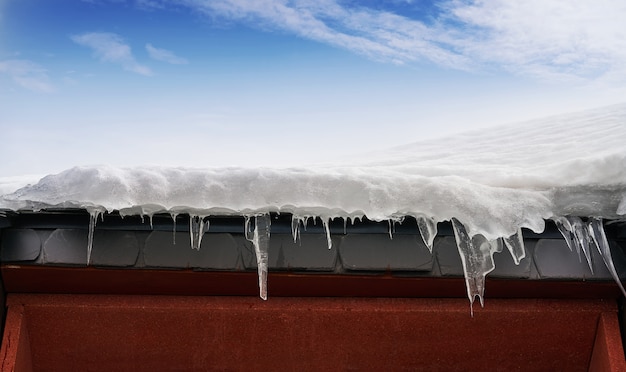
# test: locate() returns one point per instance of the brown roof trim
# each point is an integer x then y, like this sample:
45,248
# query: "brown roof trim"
90,280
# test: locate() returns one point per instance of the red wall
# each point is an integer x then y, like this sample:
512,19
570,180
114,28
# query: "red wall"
149,333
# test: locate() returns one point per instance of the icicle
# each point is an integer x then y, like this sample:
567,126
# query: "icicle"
345,225
515,244
174,215
391,225
295,228
247,229
260,238
477,259
305,221
150,220
581,233
94,213
599,238
197,227
428,230
565,227
326,224
576,236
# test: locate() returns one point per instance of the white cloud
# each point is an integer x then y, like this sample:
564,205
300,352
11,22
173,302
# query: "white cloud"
569,38
164,55
27,74
559,39
109,47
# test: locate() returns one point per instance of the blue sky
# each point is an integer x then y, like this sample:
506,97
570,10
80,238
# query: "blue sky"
247,83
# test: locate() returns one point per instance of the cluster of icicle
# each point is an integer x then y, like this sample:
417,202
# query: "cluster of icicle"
476,251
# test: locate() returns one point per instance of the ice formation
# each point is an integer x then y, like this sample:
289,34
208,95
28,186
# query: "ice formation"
515,245
428,230
198,225
260,238
599,238
174,216
477,259
489,183
583,237
94,214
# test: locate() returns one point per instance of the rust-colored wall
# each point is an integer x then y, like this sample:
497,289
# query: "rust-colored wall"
148,333
16,354
608,354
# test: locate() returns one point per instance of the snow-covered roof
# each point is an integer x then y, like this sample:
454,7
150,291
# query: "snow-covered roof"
489,183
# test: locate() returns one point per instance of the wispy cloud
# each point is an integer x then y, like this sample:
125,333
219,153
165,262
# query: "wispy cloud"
377,34
109,47
27,74
164,55
150,4
562,39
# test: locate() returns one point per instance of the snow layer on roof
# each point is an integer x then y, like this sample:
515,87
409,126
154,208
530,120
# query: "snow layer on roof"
578,149
493,181
12,183
489,183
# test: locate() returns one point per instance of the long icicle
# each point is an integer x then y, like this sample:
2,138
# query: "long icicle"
260,238
477,259
576,235
565,228
596,230
295,228
428,229
94,213
581,234
174,215
197,227
326,225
